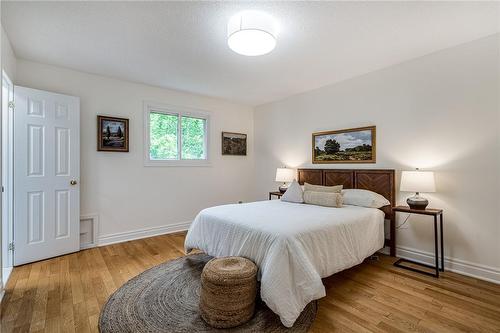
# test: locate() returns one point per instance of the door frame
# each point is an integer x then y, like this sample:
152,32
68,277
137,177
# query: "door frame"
7,181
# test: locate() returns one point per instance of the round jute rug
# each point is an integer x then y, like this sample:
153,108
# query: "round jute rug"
165,299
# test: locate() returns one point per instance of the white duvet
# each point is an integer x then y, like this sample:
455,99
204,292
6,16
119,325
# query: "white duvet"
294,245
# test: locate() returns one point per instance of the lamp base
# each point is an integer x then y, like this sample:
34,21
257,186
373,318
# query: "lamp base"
417,202
283,188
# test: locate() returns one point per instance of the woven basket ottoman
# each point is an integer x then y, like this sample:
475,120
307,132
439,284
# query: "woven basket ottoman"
228,291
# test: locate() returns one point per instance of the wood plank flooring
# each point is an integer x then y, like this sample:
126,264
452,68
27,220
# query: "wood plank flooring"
65,294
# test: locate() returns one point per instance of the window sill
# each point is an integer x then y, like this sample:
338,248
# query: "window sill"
177,163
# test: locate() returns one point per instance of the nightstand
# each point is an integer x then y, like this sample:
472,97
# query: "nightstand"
435,213
275,193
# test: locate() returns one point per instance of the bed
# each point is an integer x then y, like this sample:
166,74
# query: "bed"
296,245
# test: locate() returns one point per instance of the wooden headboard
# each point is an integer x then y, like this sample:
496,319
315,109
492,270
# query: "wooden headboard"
381,181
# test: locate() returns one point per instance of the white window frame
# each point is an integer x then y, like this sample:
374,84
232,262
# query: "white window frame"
180,111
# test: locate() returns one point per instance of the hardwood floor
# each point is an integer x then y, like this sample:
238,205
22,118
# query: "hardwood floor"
65,294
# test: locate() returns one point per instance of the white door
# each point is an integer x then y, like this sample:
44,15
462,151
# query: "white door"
46,174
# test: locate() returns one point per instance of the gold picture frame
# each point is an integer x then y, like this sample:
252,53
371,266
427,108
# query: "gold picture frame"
352,145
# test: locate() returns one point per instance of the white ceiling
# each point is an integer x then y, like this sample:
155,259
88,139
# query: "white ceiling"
182,45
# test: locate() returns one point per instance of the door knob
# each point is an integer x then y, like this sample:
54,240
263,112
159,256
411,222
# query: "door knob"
73,182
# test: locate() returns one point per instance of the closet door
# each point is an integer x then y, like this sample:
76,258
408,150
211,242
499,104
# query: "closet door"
46,174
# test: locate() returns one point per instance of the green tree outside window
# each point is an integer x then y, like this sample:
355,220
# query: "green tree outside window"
163,136
193,138
163,143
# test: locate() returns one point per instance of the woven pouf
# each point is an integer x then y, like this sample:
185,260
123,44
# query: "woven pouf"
228,291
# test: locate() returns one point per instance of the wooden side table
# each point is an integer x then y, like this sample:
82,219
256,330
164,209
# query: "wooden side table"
275,193
434,213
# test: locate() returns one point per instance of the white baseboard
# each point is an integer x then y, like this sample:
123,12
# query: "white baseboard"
5,278
143,233
6,274
463,267
467,268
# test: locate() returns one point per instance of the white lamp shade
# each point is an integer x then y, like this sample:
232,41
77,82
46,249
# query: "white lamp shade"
417,181
285,175
252,33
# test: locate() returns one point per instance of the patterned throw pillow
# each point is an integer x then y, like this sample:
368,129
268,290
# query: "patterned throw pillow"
319,188
328,199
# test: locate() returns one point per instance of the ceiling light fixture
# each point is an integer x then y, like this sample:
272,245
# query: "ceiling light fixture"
252,33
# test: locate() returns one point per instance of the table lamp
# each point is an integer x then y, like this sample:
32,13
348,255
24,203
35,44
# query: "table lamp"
285,176
417,181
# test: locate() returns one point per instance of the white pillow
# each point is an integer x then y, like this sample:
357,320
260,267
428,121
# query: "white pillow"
364,198
293,193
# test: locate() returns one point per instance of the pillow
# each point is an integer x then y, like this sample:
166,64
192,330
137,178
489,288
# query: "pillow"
293,193
319,188
328,199
364,198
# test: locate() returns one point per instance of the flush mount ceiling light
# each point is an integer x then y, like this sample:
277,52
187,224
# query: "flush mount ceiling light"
252,33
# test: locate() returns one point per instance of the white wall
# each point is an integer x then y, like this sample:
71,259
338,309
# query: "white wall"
439,112
126,195
8,57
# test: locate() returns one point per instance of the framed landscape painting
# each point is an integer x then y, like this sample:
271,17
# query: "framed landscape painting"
354,145
234,144
112,134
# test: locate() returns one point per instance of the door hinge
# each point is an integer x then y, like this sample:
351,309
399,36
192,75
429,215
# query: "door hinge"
12,105
11,246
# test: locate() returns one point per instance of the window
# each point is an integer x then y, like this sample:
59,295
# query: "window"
175,136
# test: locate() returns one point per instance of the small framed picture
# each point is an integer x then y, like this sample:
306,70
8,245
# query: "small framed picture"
353,145
112,134
234,144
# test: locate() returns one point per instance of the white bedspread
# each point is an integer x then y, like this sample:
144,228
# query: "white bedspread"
294,245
